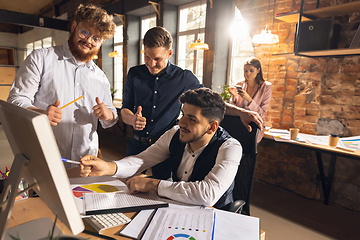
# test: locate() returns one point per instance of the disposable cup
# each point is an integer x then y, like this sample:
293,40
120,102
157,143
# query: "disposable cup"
333,140
293,133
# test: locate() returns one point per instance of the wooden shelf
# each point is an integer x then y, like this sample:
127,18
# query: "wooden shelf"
331,52
324,12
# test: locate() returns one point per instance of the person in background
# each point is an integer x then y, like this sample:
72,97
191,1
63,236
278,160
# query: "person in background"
150,104
51,77
203,157
254,93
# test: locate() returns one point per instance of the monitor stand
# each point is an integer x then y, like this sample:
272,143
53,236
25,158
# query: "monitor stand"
32,230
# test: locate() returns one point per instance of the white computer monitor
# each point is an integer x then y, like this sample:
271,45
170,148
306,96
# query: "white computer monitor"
37,160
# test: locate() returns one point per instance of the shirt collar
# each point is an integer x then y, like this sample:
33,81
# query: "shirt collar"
197,152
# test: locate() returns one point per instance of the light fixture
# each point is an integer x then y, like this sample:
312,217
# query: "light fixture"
266,37
114,54
198,45
95,57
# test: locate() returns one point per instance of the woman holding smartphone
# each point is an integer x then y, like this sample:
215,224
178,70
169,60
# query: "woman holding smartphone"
254,93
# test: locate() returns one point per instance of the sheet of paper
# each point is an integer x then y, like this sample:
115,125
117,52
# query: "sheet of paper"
120,200
93,184
352,143
138,225
172,223
230,225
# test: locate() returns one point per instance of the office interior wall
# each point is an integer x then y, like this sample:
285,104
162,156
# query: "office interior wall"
306,90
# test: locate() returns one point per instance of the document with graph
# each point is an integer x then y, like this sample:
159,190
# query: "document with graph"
123,201
173,223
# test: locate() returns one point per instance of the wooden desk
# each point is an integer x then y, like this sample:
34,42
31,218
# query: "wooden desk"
333,151
34,208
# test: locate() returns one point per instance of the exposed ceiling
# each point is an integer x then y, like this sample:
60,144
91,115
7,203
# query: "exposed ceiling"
27,6
49,8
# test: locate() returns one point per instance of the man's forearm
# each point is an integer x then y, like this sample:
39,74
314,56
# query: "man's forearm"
127,116
233,110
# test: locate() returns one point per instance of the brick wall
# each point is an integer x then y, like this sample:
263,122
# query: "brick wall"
304,91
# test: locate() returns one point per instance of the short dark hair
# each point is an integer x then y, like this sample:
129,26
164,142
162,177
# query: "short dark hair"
158,37
98,18
256,64
212,104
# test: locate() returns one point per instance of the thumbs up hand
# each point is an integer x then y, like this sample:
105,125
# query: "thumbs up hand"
102,112
54,113
139,121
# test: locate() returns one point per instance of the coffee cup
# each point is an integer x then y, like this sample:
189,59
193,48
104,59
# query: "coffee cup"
293,133
333,140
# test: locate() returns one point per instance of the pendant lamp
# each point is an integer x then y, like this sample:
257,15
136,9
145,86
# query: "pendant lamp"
198,45
266,37
114,54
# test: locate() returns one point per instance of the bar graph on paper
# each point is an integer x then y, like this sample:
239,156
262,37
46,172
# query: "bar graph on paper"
352,143
181,224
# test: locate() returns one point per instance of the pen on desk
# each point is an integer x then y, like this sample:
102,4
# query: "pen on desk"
72,101
70,161
213,230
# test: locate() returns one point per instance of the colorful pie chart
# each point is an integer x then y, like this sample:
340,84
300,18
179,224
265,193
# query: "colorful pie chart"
180,236
99,188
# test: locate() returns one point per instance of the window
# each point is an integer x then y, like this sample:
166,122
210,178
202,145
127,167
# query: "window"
118,62
191,28
44,43
242,48
146,23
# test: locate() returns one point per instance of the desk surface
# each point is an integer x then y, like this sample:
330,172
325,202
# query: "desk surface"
324,148
34,208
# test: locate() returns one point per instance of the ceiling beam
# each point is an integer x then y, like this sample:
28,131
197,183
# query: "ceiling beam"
32,20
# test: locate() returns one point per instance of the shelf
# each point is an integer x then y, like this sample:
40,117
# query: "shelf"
324,12
331,52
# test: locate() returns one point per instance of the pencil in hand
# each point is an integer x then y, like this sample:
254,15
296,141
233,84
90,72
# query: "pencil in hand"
72,101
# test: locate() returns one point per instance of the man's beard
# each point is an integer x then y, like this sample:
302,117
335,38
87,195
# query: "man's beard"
77,52
194,138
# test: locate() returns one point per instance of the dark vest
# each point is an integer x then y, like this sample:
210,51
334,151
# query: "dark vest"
204,163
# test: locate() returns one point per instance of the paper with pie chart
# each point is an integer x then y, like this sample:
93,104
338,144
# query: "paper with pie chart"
181,224
104,184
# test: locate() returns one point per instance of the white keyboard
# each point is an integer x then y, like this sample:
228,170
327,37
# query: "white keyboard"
101,222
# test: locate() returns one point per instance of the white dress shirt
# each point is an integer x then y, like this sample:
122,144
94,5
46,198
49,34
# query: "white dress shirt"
51,74
206,192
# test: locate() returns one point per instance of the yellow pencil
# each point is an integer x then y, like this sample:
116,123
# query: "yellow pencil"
72,101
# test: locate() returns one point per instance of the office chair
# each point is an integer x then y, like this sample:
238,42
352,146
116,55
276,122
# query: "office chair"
245,175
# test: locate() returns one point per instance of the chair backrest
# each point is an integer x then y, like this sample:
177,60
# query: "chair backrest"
246,170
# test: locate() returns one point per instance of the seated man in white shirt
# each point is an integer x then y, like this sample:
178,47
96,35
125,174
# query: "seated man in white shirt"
204,157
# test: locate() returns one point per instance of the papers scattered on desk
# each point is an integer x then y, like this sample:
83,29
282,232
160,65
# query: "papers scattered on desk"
352,143
227,225
98,203
171,223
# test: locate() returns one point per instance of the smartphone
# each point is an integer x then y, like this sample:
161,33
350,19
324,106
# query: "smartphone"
238,87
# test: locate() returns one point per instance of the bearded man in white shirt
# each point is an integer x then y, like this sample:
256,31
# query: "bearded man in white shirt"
204,157
50,78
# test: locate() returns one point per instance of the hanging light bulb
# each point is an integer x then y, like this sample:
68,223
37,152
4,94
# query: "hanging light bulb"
95,57
266,37
114,54
198,45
